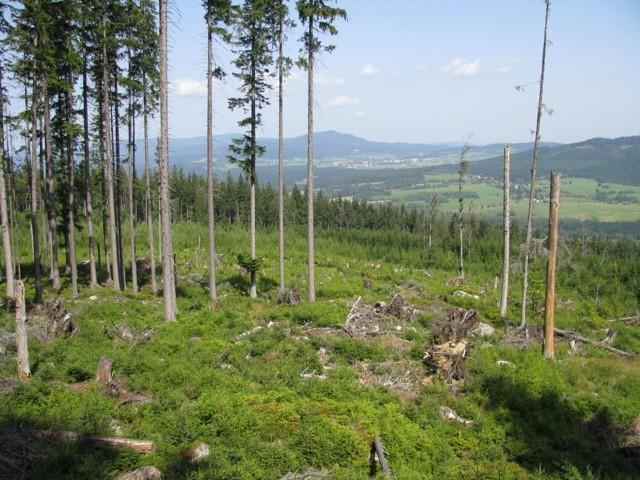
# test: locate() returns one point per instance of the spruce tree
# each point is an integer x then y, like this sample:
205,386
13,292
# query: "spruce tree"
318,16
253,41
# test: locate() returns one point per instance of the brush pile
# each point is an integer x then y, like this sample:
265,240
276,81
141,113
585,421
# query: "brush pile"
379,318
449,348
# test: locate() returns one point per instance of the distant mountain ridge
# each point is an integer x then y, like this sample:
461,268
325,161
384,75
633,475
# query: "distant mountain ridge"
615,160
190,153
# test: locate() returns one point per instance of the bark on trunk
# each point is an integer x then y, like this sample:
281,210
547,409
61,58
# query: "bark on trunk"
71,229
550,296
506,226
4,212
33,194
525,275
93,276
51,188
132,219
280,159
118,181
213,297
23,369
310,234
169,291
147,194
111,208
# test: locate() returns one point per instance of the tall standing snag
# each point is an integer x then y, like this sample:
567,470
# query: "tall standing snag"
21,333
169,285
532,188
550,296
506,227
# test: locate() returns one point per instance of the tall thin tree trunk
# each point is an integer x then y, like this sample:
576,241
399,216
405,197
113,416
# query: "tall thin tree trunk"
111,207
71,232
506,227
532,190
280,158
213,297
118,181
132,219
23,369
550,296
147,193
310,235
51,187
33,193
4,212
93,277
169,292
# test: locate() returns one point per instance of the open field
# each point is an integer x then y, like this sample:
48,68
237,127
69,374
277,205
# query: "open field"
581,198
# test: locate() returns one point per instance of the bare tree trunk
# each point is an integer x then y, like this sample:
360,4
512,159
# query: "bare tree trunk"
280,159
169,292
93,277
71,232
23,369
51,188
4,212
111,207
118,181
506,227
550,296
132,219
213,297
147,193
532,190
33,193
310,234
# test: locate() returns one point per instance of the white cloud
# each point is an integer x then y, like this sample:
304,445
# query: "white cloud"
187,87
462,67
503,64
344,101
370,70
331,81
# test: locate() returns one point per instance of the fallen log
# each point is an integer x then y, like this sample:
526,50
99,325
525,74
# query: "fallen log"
120,443
575,336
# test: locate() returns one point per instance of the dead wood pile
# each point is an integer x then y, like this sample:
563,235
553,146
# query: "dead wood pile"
448,350
379,318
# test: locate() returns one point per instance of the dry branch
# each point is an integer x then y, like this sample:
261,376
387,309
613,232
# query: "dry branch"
377,453
575,336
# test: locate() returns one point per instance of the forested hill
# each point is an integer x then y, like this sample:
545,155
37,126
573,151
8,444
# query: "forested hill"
608,160
190,153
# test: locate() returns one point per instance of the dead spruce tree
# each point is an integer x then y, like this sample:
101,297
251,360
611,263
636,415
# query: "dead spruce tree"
217,17
168,272
463,165
506,227
532,187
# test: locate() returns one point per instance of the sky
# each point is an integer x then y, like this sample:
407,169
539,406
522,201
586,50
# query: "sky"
432,71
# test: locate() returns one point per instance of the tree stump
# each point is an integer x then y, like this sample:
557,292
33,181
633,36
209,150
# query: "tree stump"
104,370
23,369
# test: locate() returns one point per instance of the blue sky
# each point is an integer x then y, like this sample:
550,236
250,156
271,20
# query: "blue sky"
427,71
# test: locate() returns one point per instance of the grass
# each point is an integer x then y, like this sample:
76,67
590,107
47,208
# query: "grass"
581,198
246,400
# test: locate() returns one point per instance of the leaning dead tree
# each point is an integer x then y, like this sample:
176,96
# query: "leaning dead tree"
23,369
506,226
532,188
550,297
